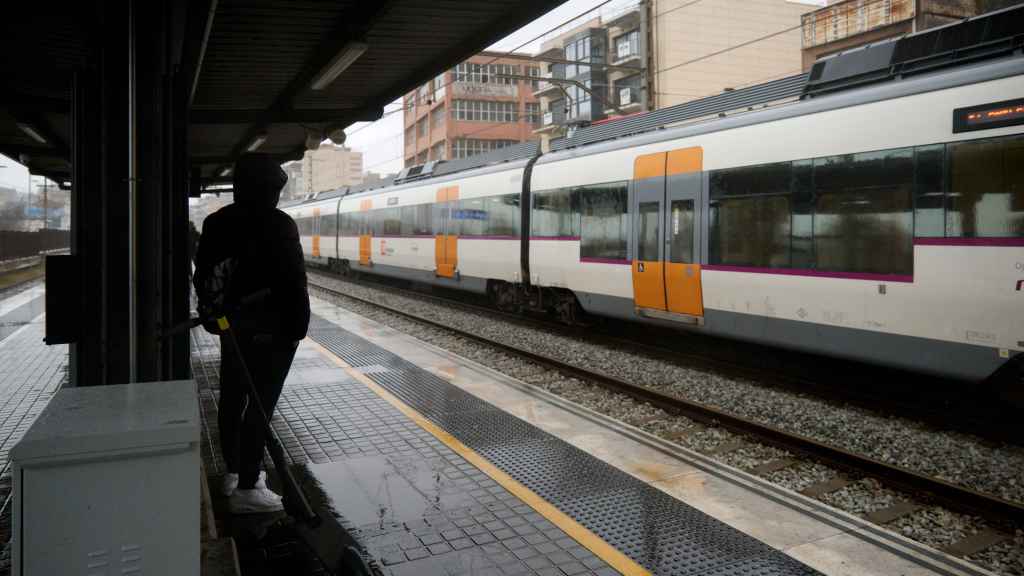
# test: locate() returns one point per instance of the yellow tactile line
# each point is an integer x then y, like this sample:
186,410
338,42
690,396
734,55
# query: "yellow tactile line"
574,529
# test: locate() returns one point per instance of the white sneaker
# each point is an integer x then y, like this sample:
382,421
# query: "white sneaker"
229,482
254,501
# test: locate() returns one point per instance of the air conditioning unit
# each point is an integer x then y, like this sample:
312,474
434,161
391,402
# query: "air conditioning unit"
106,481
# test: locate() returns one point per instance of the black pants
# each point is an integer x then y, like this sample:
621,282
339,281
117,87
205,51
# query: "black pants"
242,435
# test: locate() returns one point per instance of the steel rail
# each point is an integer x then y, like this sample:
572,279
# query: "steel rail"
950,495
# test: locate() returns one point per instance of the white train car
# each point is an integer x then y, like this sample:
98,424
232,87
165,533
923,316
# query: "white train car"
859,225
883,223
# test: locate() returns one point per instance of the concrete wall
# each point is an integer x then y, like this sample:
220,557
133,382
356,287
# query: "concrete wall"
682,34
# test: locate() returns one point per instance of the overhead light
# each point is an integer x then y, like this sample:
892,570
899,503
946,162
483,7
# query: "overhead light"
31,131
348,54
225,172
256,142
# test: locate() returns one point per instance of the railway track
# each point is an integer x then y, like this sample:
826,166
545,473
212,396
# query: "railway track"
733,359
1003,513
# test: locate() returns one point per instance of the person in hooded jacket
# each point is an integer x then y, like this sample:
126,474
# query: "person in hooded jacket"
246,248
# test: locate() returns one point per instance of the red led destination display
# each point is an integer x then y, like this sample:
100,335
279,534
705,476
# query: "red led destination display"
987,116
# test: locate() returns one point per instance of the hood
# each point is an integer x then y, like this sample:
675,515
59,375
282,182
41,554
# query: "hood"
258,180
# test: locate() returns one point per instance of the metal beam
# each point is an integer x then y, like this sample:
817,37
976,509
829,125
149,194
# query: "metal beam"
284,116
351,25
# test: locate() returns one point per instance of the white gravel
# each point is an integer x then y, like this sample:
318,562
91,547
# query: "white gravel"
955,457
937,527
1004,558
863,496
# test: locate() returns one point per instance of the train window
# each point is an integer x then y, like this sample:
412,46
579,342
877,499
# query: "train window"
504,215
555,214
929,191
305,226
680,230
390,221
408,215
801,246
986,188
328,223
469,216
604,226
649,214
750,216
750,231
424,221
863,220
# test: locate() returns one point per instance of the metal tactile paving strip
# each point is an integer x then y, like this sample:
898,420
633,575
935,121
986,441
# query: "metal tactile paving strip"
661,533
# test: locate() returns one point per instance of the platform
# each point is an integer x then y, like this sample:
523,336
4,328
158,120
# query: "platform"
447,467
30,373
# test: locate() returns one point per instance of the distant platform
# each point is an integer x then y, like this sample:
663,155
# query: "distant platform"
444,466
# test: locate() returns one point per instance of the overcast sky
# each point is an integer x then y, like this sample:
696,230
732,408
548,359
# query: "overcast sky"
381,141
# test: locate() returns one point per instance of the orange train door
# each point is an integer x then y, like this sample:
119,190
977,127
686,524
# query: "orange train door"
446,239
666,269
316,232
365,231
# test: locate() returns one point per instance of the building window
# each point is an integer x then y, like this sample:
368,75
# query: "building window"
627,45
534,72
466,147
437,151
531,113
422,157
410,137
437,117
486,73
423,94
440,85
421,127
579,105
483,111
576,52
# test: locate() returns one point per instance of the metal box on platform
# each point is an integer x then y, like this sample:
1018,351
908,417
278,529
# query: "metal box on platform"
106,481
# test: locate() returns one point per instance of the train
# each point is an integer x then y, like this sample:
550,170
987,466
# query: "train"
883,222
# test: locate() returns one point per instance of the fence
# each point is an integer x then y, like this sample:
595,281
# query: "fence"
17,244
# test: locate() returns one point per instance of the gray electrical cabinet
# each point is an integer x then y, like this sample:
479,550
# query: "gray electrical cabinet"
106,481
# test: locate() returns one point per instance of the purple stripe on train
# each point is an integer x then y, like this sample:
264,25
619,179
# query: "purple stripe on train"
597,260
815,273
969,241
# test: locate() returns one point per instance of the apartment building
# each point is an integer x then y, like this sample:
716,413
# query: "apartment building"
483,104
664,52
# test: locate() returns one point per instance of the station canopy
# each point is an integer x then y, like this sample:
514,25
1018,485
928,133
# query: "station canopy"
266,75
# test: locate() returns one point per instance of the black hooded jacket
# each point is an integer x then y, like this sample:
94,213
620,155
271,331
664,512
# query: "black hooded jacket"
249,246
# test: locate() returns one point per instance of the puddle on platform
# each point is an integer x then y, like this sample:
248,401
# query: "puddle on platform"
383,489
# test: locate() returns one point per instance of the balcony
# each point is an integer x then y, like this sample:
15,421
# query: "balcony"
850,18
627,98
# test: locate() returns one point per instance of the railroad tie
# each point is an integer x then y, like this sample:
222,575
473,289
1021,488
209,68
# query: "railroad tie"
886,515
826,486
976,542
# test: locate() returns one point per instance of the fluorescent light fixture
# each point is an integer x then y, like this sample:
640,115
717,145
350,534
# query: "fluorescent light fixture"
225,172
256,143
28,129
348,54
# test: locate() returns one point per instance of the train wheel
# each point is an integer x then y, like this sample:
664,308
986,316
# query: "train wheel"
503,295
568,309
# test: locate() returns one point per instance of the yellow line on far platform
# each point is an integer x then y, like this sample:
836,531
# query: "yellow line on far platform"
614,558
